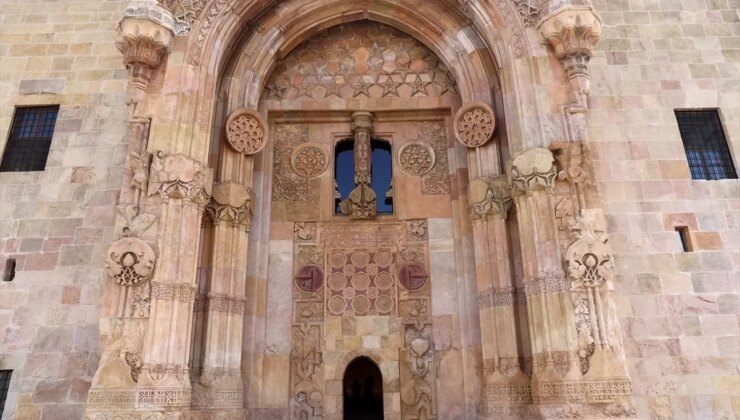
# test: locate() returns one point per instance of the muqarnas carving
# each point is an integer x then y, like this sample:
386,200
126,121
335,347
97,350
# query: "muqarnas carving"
246,131
130,261
474,124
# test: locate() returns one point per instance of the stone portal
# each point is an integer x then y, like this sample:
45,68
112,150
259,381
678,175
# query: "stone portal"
362,389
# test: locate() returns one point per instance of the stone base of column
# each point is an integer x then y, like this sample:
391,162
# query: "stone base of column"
210,398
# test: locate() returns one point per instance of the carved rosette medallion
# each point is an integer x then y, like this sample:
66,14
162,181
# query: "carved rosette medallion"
416,158
246,131
308,160
130,261
413,276
474,124
310,278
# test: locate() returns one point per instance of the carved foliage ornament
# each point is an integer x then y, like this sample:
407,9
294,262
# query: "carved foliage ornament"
246,131
178,176
309,160
588,258
231,202
416,158
130,261
533,169
489,195
474,124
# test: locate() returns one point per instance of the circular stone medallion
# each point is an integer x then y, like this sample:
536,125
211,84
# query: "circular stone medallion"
384,303
360,281
360,304
337,281
308,160
310,278
246,132
416,158
413,276
336,305
384,280
474,124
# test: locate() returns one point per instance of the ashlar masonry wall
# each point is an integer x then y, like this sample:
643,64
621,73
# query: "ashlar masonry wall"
57,223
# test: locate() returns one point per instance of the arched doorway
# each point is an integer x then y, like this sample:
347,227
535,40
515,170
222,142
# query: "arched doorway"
362,390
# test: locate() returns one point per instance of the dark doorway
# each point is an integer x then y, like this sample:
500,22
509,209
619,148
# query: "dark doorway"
363,390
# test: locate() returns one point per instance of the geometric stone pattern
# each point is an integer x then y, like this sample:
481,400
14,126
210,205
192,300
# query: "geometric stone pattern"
287,185
436,181
364,59
361,282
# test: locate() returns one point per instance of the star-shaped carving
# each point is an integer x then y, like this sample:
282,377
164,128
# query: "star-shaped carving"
361,88
443,81
276,90
304,89
390,87
332,89
404,70
418,86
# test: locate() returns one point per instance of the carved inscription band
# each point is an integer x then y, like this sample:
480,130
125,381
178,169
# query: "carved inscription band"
173,291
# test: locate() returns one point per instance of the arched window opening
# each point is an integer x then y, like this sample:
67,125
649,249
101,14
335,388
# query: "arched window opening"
381,165
362,390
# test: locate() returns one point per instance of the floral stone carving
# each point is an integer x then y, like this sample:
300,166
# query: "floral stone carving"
474,124
231,202
490,195
533,169
588,258
246,131
416,158
308,160
130,261
178,176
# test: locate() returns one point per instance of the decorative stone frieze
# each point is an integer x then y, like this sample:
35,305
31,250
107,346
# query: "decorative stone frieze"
177,176
246,131
218,302
416,159
417,230
231,203
144,35
573,31
488,196
474,124
174,291
588,258
130,261
309,160
533,169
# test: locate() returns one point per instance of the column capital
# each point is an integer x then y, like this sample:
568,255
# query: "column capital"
489,196
362,120
179,176
231,203
572,32
532,170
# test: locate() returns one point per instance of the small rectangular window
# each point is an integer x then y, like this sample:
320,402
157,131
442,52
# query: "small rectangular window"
9,274
4,385
29,139
705,144
683,237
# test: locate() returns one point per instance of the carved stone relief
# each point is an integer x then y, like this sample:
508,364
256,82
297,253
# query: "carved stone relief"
180,177
533,169
130,261
361,59
436,181
474,124
361,282
417,230
309,160
231,203
286,184
246,131
489,195
416,159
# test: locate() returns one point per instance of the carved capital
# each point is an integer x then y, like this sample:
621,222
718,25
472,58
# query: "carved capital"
231,203
573,32
144,35
362,121
532,170
130,261
180,177
489,196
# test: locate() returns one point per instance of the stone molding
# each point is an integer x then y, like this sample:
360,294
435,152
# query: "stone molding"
176,176
573,32
144,35
489,196
173,291
138,398
218,302
532,170
491,298
474,124
231,203
246,131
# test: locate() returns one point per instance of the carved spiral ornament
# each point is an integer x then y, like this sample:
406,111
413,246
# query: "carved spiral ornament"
130,261
246,132
416,159
309,160
474,124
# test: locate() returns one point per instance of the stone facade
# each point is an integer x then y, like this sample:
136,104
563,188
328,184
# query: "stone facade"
181,256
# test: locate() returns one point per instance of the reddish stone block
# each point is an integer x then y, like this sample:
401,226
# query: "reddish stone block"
706,241
55,244
673,220
51,391
71,294
45,261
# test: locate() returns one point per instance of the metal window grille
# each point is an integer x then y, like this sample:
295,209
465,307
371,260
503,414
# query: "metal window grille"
705,144
30,139
4,385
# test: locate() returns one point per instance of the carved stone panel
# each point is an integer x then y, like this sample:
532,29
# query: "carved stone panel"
436,181
130,261
309,160
361,282
416,158
286,184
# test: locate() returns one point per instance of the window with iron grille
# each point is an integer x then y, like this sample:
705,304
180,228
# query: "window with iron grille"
705,144
4,385
30,139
